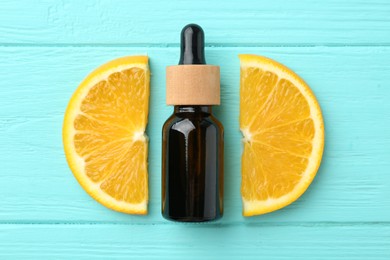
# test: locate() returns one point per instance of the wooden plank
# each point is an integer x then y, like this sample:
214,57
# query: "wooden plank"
350,83
253,22
195,241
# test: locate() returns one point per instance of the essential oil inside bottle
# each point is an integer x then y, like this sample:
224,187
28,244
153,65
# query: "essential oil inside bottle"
192,146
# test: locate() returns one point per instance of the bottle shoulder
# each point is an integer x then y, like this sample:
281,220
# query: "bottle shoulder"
187,123
170,121
216,122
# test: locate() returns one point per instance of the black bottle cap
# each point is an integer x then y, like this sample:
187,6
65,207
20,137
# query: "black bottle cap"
192,45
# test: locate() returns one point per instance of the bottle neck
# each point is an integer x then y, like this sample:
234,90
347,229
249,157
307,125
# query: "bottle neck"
192,109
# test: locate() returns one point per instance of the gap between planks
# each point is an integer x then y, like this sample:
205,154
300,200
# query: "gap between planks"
176,45
212,224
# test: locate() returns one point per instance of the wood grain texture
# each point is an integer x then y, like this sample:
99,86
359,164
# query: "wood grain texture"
253,22
342,50
194,241
352,184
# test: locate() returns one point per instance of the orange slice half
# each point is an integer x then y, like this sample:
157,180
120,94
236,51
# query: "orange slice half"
104,134
283,135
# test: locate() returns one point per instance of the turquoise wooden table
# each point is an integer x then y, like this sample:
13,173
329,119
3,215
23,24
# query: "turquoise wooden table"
341,48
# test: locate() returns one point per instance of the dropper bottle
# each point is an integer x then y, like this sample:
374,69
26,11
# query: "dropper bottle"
192,138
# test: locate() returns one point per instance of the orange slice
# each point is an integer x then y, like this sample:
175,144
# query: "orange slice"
104,134
283,131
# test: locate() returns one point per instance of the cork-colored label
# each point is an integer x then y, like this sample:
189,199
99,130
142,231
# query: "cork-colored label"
193,85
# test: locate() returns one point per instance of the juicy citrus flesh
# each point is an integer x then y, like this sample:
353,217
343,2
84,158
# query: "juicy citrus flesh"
283,131
104,134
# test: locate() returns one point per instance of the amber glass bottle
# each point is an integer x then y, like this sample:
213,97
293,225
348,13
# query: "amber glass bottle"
192,147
